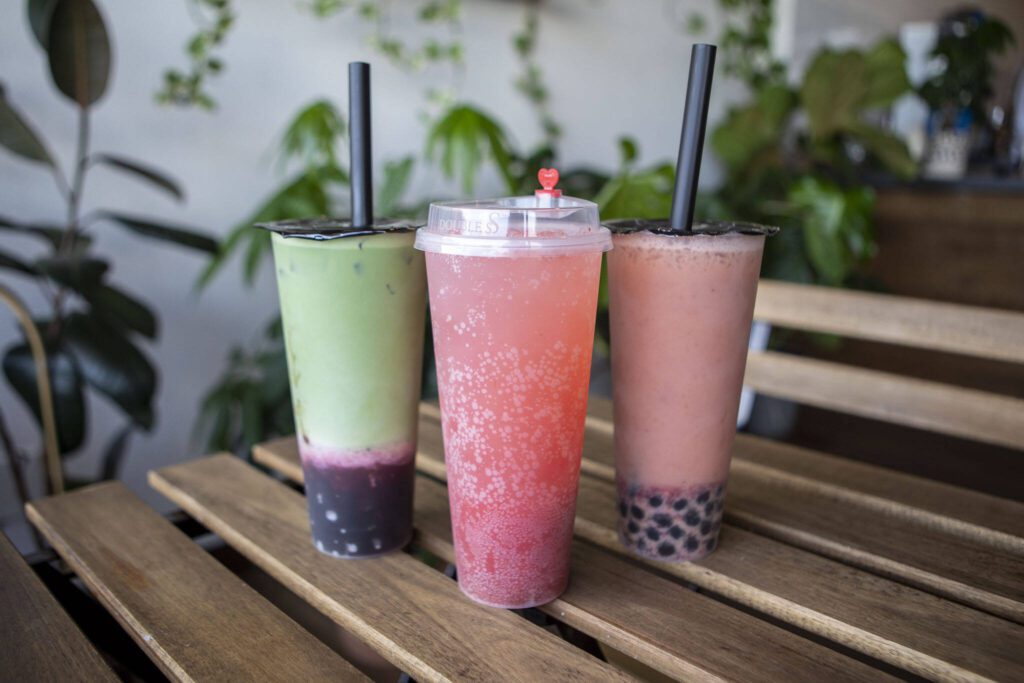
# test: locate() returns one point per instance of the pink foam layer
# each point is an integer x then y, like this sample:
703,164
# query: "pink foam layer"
319,455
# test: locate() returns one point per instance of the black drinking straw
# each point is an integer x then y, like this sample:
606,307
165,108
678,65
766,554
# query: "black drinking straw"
691,144
359,139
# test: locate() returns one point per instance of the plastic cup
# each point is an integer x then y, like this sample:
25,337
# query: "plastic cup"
681,307
352,309
513,297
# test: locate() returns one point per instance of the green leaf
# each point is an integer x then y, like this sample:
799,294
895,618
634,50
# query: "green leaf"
646,194
886,75
11,262
82,274
39,13
836,226
176,235
17,135
113,365
834,87
748,130
259,248
122,309
51,234
79,51
148,173
466,137
313,135
396,179
305,195
65,386
887,148
627,151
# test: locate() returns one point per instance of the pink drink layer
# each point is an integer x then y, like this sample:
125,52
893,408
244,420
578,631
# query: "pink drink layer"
681,310
513,338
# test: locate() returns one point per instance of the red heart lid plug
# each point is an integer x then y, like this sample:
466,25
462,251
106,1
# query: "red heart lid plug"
548,178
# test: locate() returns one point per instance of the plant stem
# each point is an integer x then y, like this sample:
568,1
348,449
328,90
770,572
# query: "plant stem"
74,199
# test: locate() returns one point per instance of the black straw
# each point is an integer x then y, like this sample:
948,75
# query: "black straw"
359,139
691,145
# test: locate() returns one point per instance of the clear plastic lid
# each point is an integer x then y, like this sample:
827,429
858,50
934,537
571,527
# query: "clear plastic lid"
543,225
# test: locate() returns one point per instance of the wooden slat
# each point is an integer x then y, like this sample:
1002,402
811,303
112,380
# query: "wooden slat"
192,616
38,640
658,622
411,614
981,518
895,623
936,407
969,330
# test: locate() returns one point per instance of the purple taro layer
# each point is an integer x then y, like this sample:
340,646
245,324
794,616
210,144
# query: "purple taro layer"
360,503
673,525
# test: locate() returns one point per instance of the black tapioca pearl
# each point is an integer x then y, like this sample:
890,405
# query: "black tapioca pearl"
666,549
675,532
632,527
636,511
703,498
692,543
692,517
711,543
655,501
705,528
680,504
719,490
662,520
641,544
652,533
709,509
623,508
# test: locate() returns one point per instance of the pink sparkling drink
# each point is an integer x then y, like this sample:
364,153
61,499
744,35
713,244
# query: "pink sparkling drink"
513,321
681,307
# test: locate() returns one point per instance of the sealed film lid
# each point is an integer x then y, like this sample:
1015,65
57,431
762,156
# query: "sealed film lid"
663,226
545,224
324,228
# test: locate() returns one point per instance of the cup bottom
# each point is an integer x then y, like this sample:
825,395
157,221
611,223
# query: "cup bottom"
319,545
508,605
670,524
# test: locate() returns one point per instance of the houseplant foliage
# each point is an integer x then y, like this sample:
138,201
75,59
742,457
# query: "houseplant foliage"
779,169
93,330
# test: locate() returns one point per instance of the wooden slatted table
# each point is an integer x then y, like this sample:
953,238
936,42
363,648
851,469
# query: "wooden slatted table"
827,570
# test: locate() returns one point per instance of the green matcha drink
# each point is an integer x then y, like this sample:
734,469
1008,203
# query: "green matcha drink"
352,308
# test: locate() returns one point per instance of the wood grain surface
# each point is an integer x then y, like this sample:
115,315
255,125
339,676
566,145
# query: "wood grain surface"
194,618
38,640
932,406
984,519
895,623
969,330
411,614
656,621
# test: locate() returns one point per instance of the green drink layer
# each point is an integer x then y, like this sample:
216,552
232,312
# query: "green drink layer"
353,313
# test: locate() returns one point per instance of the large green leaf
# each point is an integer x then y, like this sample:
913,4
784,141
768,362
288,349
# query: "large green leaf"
747,130
886,74
39,13
79,51
833,90
184,237
837,228
51,234
123,309
465,137
80,273
313,135
12,262
17,135
113,365
887,148
147,173
65,386
396,180
643,194
304,196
